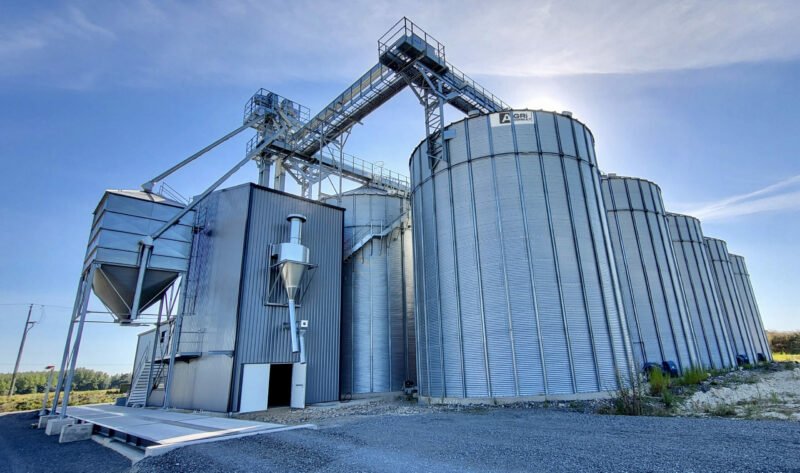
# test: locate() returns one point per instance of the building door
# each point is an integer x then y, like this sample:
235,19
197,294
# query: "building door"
299,386
255,388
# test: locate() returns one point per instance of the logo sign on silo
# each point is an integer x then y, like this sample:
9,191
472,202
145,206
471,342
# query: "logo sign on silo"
506,118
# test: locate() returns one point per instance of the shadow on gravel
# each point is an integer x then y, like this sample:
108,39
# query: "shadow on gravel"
26,449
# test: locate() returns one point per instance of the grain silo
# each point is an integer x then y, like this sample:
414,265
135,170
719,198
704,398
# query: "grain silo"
728,296
750,310
378,349
713,346
658,320
516,294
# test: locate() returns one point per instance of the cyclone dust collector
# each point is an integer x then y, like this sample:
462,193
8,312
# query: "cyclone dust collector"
293,259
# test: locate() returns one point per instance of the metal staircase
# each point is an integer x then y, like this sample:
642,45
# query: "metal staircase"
358,240
140,388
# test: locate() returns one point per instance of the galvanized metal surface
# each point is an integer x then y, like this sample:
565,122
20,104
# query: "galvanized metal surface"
694,268
747,298
121,220
728,296
226,318
377,305
658,318
262,336
516,294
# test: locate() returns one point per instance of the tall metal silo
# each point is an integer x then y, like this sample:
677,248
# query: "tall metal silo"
728,296
516,293
747,298
658,319
378,352
694,267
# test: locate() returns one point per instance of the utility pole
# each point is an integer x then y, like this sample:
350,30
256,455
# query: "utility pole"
28,326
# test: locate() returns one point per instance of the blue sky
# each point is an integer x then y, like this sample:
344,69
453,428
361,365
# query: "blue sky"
700,97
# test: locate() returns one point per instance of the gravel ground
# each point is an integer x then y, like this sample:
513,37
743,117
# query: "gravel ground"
502,439
757,395
25,449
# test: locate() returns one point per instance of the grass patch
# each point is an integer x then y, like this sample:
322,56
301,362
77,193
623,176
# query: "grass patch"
692,376
659,382
783,357
722,410
629,401
27,402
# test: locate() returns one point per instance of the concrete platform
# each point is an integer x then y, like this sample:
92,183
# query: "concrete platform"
155,429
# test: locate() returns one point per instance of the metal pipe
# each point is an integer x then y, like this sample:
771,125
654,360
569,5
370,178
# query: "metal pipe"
43,411
67,345
147,249
148,186
293,327
296,228
71,374
175,340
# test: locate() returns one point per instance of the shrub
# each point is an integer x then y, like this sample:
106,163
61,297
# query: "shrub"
659,382
695,375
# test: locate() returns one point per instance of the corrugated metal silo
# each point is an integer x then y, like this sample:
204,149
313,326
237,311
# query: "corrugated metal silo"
714,347
728,297
655,307
378,352
750,310
516,294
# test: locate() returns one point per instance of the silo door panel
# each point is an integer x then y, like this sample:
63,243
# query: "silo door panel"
255,388
299,386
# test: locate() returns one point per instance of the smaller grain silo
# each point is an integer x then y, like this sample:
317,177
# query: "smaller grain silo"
658,320
750,310
694,267
378,352
728,296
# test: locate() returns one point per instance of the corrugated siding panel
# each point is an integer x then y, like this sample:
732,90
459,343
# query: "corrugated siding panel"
745,289
729,298
262,337
448,291
527,351
658,318
511,236
694,270
470,297
375,333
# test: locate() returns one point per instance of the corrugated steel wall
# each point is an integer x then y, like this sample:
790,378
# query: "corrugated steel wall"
694,268
377,307
515,287
261,335
212,301
655,307
747,298
226,319
729,299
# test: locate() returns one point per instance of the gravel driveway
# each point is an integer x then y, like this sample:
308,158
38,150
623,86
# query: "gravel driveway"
502,440
28,450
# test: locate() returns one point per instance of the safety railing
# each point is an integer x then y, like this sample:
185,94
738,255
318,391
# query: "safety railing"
406,27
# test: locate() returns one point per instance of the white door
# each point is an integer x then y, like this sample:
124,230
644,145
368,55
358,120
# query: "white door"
298,386
255,388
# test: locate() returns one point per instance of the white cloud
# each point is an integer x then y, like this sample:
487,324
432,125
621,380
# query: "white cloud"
144,42
780,196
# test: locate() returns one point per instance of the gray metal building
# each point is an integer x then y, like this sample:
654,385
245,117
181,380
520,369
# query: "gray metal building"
234,352
516,294
658,319
730,302
714,347
378,351
750,310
